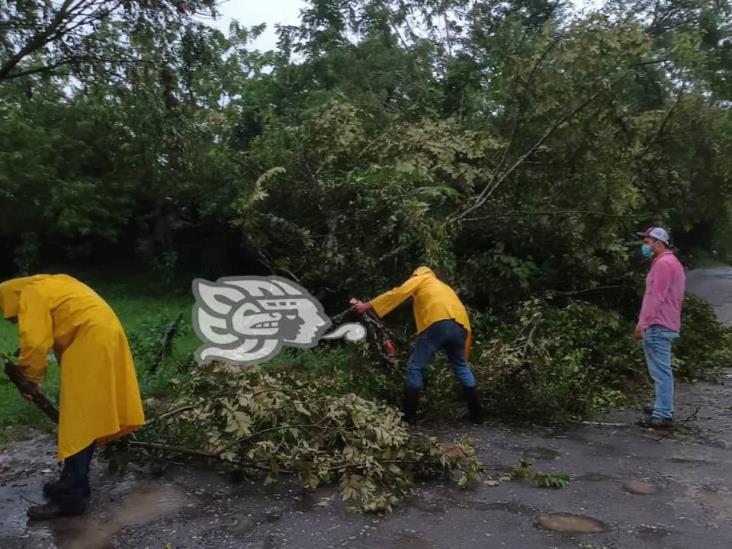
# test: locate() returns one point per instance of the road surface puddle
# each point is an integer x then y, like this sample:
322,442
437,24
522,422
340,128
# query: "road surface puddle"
713,499
639,488
136,509
569,524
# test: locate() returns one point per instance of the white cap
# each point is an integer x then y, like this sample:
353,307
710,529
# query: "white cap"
656,232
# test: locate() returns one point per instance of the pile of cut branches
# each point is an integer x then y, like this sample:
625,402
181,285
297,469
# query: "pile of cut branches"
270,423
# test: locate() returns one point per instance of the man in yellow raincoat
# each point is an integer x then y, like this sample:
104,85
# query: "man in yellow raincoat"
100,398
442,323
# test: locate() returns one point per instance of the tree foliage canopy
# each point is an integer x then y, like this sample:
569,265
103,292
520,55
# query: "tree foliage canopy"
514,146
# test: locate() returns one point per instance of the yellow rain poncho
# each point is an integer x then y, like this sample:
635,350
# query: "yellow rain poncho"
433,300
100,398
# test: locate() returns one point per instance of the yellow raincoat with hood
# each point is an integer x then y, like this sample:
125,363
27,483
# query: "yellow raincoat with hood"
100,398
433,300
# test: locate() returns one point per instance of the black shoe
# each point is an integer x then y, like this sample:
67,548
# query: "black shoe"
475,410
648,410
55,489
656,423
411,401
54,510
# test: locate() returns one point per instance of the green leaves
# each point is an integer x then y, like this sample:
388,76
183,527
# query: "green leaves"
559,361
272,424
524,471
348,155
239,423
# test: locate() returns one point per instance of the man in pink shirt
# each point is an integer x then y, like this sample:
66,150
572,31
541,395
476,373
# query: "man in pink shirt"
659,322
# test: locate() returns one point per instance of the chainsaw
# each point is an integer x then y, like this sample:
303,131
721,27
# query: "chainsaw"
374,326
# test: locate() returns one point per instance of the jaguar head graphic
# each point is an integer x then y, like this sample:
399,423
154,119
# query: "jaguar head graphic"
243,320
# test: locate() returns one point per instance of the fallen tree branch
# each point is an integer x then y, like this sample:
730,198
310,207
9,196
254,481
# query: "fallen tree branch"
496,182
252,465
691,417
199,454
501,175
29,389
174,449
171,413
662,126
588,290
604,424
522,102
189,407
382,462
242,440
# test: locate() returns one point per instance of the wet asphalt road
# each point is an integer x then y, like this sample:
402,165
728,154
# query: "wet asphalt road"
714,285
688,475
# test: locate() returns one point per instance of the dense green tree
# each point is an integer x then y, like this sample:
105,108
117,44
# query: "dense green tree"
513,145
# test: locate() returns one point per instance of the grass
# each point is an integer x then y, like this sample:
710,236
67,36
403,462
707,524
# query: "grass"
145,306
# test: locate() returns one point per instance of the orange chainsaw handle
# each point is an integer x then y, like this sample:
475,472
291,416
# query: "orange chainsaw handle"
390,348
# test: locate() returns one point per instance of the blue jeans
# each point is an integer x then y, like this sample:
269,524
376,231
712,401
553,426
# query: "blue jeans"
449,336
657,342
74,482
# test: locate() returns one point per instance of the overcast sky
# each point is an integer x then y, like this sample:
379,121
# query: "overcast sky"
254,12
286,12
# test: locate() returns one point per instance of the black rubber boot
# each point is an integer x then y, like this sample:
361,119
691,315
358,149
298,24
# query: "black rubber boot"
475,410
50,488
54,489
55,510
73,484
411,401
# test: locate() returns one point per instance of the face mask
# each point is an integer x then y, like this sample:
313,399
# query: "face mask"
647,251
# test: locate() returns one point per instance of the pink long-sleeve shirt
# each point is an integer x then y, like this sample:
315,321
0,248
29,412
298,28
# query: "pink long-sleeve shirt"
664,293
